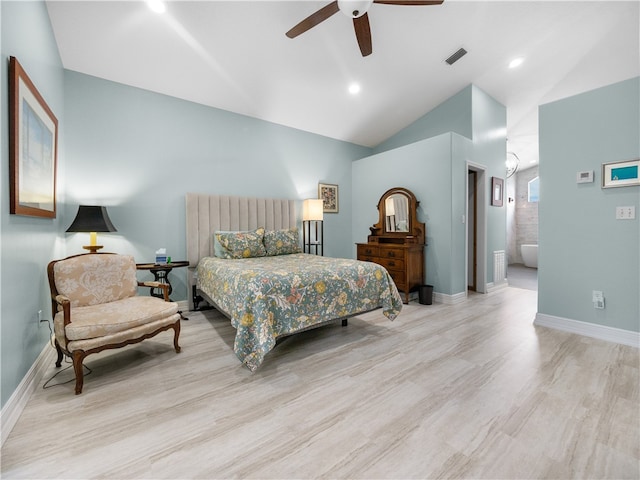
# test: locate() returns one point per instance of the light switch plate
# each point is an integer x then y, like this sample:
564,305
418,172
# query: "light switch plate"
626,213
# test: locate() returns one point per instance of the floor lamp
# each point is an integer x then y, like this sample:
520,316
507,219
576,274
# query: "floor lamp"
312,226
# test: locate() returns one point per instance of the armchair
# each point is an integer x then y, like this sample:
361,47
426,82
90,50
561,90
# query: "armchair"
95,307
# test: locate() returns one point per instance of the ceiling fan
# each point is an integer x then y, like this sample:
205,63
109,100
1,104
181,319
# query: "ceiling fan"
356,9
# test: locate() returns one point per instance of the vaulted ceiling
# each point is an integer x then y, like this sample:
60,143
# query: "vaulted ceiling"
234,55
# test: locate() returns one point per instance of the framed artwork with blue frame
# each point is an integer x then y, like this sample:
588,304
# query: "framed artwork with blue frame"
621,174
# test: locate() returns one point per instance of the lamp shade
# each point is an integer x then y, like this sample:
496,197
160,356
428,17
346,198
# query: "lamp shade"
92,218
312,209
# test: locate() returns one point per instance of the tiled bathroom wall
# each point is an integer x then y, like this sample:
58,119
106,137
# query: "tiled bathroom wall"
526,213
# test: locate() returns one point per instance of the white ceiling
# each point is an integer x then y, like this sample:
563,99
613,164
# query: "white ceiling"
234,55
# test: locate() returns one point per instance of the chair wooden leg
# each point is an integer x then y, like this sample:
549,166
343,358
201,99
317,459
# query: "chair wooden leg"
60,355
176,334
78,357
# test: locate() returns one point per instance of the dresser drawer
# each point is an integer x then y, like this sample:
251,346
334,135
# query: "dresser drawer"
368,251
392,263
390,252
398,279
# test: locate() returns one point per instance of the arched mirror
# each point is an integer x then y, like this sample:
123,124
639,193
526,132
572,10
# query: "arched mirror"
398,216
396,213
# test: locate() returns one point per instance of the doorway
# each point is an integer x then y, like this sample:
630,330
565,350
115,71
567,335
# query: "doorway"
472,230
476,221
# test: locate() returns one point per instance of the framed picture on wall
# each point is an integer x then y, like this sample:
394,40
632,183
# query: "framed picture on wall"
497,191
329,195
33,146
621,174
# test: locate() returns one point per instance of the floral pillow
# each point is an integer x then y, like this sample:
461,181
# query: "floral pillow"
219,250
282,242
241,244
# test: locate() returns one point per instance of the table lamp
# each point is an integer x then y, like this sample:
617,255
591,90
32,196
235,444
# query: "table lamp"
92,219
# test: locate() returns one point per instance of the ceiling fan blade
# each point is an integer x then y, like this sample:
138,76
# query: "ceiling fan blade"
363,34
314,19
409,2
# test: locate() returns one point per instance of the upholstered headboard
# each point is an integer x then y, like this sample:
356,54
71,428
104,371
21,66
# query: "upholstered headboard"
209,213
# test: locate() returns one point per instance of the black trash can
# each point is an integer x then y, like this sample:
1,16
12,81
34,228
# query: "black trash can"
425,294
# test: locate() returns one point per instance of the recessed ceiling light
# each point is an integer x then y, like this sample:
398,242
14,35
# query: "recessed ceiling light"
354,89
516,62
157,6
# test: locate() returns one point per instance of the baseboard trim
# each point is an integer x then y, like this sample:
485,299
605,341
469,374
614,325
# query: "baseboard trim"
14,407
450,299
601,332
183,305
493,287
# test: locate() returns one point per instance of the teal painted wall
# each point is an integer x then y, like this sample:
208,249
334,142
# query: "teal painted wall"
490,150
582,246
140,152
28,243
431,165
452,115
436,171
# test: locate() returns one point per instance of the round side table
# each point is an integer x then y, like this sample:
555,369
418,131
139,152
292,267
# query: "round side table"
160,273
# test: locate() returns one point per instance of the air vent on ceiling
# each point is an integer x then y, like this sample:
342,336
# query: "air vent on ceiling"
456,56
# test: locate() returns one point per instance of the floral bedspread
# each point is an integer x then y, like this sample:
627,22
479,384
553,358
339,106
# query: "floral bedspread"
270,296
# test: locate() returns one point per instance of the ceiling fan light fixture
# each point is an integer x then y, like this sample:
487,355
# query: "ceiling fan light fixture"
354,8
512,163
357,11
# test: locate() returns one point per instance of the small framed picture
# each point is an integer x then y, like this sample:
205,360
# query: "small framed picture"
621,174
329,195
497,191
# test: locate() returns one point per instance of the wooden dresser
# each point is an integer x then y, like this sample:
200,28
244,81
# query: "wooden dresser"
397,245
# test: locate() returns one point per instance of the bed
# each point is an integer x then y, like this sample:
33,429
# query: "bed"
279,291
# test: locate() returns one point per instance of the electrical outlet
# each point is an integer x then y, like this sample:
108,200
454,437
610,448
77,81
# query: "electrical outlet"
598,299
39,316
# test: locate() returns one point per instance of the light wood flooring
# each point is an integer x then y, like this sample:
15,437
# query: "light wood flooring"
466,391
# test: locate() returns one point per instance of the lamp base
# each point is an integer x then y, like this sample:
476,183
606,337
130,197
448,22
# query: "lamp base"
92,248
313,243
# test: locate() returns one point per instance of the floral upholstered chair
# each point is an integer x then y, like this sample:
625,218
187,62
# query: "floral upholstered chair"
96,307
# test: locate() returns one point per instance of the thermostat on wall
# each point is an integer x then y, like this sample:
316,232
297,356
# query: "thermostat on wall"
584,177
